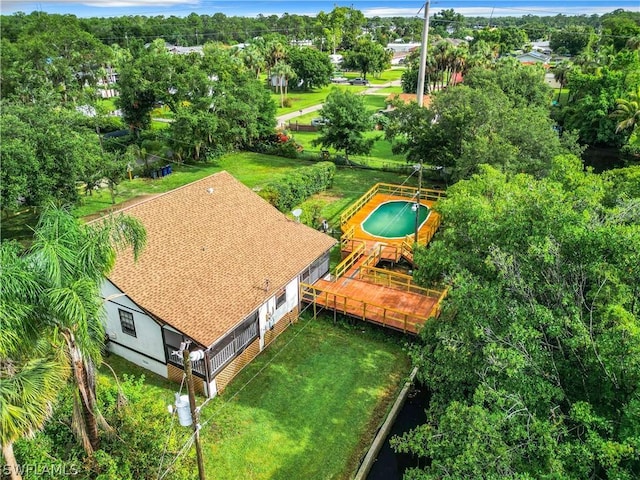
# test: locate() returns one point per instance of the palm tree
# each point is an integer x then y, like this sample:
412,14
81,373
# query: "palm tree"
628,111
253,59
275,52
561,75
458,63
29,388
66,265
284,73
31,371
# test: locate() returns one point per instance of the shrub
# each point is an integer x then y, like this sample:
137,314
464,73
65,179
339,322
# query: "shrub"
131,452
296,187
279,144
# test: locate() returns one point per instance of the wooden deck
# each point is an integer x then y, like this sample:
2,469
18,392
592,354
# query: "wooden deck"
351,220
358,288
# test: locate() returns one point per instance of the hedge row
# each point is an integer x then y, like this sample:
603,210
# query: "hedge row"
286,193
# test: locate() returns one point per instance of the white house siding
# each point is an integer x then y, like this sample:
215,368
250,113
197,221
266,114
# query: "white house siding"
269,315
146,348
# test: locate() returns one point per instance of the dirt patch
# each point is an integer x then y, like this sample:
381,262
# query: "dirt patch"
119,206
327,197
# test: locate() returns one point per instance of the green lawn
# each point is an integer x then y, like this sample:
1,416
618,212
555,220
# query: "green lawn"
253,169
296,412
309,412
373,103
380,156
304,99
390,90
564,96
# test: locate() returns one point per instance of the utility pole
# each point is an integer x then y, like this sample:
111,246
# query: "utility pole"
423,55
187,357
418,195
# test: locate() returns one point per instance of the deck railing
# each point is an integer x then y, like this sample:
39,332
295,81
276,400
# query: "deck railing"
437,308
406,250
396,280
410,192
353,208
389,317
347,237
347,263
390,189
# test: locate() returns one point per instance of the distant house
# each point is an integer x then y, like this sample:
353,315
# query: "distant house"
401,47
533,57
221,268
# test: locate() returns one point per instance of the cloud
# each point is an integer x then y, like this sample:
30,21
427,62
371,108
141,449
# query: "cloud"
499,12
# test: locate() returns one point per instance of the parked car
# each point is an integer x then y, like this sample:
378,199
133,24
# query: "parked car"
359,81
319,122
339,80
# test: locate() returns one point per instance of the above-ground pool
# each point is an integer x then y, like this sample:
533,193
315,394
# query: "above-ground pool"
395,219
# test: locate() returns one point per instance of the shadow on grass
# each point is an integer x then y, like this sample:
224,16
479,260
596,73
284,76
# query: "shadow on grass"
315,406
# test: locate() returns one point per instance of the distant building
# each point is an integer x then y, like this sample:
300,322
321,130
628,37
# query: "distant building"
402,47
533,57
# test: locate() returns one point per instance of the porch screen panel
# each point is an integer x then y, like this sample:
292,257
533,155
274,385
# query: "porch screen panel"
233,344
318,269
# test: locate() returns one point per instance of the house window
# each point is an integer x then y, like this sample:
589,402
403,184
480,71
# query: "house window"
281,299
126,322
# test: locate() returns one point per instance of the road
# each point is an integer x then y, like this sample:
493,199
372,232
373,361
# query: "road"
373,90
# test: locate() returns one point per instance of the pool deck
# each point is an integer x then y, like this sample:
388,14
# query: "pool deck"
364,291
431,224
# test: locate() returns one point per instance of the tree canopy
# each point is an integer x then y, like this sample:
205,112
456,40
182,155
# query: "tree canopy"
534,364
347,120
464,126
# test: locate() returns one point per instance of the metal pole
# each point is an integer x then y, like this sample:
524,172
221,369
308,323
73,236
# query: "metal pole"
423,55
186,360
418,201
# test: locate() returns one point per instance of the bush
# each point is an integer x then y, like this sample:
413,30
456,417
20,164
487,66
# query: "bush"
279,144
293,189
131,452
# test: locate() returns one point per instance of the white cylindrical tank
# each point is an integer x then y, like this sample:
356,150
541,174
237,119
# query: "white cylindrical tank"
184,412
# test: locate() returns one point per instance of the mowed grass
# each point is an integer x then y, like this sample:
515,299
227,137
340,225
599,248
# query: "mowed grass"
373,103
253,169
381,154
304,99
307,407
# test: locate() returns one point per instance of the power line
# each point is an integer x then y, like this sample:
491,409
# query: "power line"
191,438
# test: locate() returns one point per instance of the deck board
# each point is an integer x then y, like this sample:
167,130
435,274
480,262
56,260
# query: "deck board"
371,205
391,307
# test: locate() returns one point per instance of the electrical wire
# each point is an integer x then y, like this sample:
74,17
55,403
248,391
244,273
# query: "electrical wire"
191,438
173,418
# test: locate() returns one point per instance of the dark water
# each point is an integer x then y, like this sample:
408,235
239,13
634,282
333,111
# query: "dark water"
602,158
390,465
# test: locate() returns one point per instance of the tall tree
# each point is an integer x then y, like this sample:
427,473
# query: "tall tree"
312,67
627,111
368,57
31,370
561,75
347,119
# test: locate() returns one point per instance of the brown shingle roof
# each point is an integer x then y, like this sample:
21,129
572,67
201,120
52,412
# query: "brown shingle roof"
208,255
